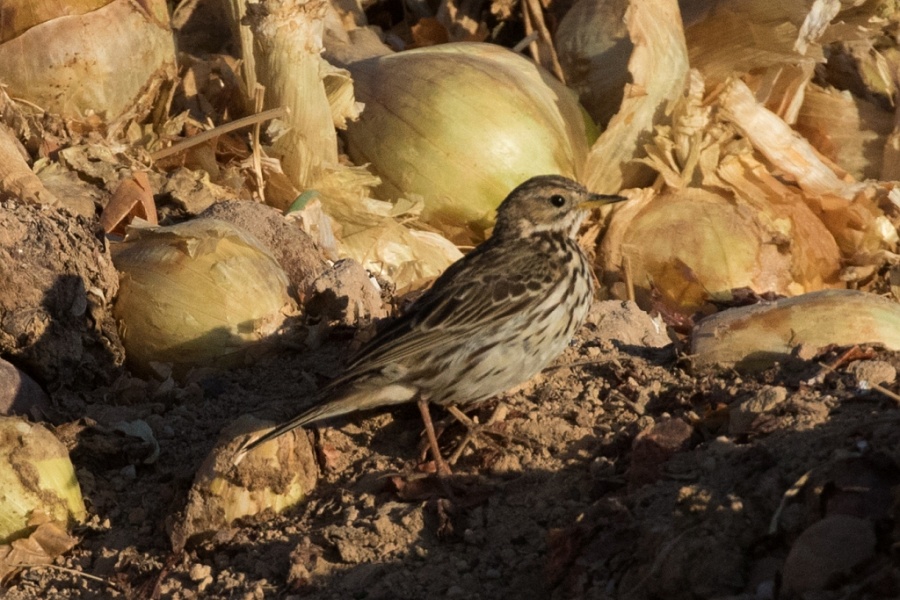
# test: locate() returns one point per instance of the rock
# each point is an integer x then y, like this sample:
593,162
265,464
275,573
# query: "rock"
653,447
873,372
743,416
828,549
345,293
20,394
626,324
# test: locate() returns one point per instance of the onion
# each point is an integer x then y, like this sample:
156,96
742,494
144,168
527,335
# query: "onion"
36,478
594,47
690,247
753,337
195,293
461,125
104,56
284,40
271,478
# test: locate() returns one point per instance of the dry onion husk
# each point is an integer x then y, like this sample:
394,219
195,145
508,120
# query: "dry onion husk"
200,292
753,337
106,57
460,125
848,208
849,131
287,47
37,479
772,44
659,71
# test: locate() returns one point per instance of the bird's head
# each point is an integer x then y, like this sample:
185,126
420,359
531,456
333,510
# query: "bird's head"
547,203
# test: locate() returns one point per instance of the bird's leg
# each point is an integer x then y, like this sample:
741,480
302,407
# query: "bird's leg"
442,469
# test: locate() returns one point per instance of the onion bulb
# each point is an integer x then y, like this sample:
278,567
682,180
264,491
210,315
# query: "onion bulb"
273,477
753,337
461,125
36,476
103,56
686,248
200,292
594,48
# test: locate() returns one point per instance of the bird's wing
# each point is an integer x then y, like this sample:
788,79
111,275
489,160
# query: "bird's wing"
482,290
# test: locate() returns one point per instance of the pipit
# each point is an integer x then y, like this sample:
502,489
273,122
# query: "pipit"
491,321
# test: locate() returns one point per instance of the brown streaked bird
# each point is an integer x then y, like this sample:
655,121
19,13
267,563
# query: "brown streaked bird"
491,321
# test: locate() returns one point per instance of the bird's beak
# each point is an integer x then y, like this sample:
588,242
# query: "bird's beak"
597,200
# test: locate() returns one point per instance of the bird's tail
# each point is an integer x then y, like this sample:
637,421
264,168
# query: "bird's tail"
355,400
319,412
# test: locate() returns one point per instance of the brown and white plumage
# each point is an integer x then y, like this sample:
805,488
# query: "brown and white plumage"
491,321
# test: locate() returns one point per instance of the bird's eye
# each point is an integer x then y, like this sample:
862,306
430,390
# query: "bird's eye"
557,200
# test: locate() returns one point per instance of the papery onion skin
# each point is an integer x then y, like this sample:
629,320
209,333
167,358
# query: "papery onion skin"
691,247
200,292
753,337
461,125
106,57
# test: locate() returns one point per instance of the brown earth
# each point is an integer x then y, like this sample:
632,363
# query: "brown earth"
619,472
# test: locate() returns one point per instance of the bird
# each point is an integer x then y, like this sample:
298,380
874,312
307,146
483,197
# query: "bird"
491,321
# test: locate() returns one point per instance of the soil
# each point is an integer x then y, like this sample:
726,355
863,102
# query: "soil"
619,472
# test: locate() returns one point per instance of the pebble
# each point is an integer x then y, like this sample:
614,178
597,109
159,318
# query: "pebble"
767,400
873,372
199,572
826,550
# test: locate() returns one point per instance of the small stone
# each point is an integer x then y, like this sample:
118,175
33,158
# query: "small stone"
654,446
21,395
742,417
873,372
826,550
199,572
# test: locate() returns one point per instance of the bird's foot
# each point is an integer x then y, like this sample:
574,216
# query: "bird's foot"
478,430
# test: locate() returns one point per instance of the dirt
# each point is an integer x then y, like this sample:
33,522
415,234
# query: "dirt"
58,286
619,472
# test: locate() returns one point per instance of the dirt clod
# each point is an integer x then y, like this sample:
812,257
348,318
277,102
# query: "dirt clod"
57,285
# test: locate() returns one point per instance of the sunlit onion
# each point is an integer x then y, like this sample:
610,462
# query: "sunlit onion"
753,337
687,248
461,125
104,56
36,476
200,292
